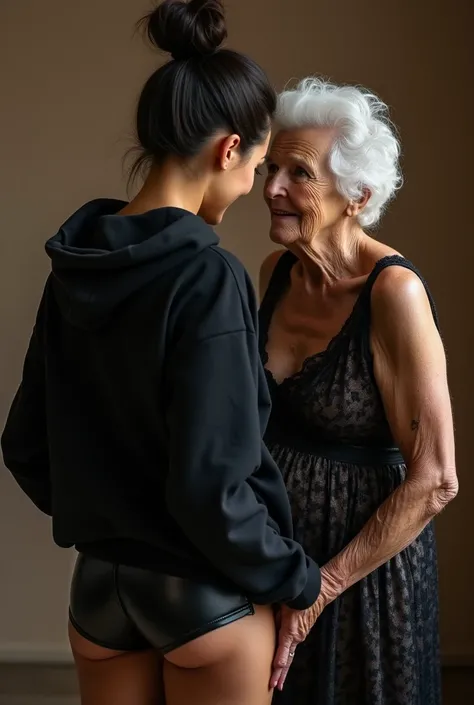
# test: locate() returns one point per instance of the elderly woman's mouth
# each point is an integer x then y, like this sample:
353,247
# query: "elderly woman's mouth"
284,214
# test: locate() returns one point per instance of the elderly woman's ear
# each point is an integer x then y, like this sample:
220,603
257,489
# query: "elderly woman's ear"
355,207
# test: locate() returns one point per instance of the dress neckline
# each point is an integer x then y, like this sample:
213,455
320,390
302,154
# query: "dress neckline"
364,294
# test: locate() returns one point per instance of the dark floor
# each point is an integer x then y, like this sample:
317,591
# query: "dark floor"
43,685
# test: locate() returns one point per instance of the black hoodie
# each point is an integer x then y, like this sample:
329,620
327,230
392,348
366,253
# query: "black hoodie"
138,424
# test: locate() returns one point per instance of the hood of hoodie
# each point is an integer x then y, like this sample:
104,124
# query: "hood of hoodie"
100,258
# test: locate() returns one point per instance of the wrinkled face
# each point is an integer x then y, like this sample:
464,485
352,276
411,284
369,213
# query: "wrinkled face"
235,178
300,190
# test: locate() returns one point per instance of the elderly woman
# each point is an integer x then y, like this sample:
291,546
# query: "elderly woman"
361,424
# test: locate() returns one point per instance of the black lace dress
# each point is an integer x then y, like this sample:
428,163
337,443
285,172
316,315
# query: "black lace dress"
377,644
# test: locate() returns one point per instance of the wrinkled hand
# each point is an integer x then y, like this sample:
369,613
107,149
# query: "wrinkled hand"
293,628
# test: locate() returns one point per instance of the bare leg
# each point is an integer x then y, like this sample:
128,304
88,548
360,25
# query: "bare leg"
230,666
115,677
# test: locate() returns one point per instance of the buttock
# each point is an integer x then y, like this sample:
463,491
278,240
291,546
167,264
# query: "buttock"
126,608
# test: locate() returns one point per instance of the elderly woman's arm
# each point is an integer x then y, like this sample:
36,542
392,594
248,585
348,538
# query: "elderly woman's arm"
410,369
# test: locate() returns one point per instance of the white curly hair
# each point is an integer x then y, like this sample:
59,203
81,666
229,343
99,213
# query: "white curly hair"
366,151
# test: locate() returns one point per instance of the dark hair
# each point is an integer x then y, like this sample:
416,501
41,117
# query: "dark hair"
202,89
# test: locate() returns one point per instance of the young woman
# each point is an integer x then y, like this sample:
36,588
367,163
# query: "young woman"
139,419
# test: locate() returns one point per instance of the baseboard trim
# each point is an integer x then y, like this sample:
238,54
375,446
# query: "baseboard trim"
49,654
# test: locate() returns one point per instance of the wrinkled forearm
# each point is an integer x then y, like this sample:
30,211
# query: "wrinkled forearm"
395,525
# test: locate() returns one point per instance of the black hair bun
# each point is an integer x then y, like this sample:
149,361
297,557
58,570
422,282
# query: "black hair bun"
187,29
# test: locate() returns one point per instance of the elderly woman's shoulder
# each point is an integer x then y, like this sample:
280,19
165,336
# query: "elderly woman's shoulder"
398,280
267,269
399,294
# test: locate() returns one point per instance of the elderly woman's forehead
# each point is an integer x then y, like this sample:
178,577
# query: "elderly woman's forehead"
310,141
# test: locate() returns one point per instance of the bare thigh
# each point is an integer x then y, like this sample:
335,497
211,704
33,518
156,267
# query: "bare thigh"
109,677
229,666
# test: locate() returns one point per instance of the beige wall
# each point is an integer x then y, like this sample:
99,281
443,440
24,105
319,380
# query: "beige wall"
70,72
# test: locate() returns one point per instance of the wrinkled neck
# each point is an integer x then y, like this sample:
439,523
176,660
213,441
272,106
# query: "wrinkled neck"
331,255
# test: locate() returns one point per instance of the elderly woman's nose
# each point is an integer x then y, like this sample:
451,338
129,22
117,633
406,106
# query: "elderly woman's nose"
275,186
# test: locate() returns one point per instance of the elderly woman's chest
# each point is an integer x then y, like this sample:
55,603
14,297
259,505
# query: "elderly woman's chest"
300,328
334,395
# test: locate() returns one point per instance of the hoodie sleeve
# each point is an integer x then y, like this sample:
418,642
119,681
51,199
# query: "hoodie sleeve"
215,447
24,439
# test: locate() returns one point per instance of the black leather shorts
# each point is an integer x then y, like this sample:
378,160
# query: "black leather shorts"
130,609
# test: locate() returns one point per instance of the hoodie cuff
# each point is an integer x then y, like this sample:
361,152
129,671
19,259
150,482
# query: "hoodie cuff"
312,588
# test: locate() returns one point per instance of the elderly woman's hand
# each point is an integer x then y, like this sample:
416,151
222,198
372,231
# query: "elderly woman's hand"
295,625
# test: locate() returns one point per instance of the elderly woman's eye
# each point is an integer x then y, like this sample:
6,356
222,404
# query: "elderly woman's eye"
272,168
301,173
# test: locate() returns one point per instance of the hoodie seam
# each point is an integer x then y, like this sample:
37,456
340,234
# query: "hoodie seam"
221,335
253,333
229,266
214,336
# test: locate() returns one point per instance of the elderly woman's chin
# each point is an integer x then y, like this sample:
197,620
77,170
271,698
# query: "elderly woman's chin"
284,231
